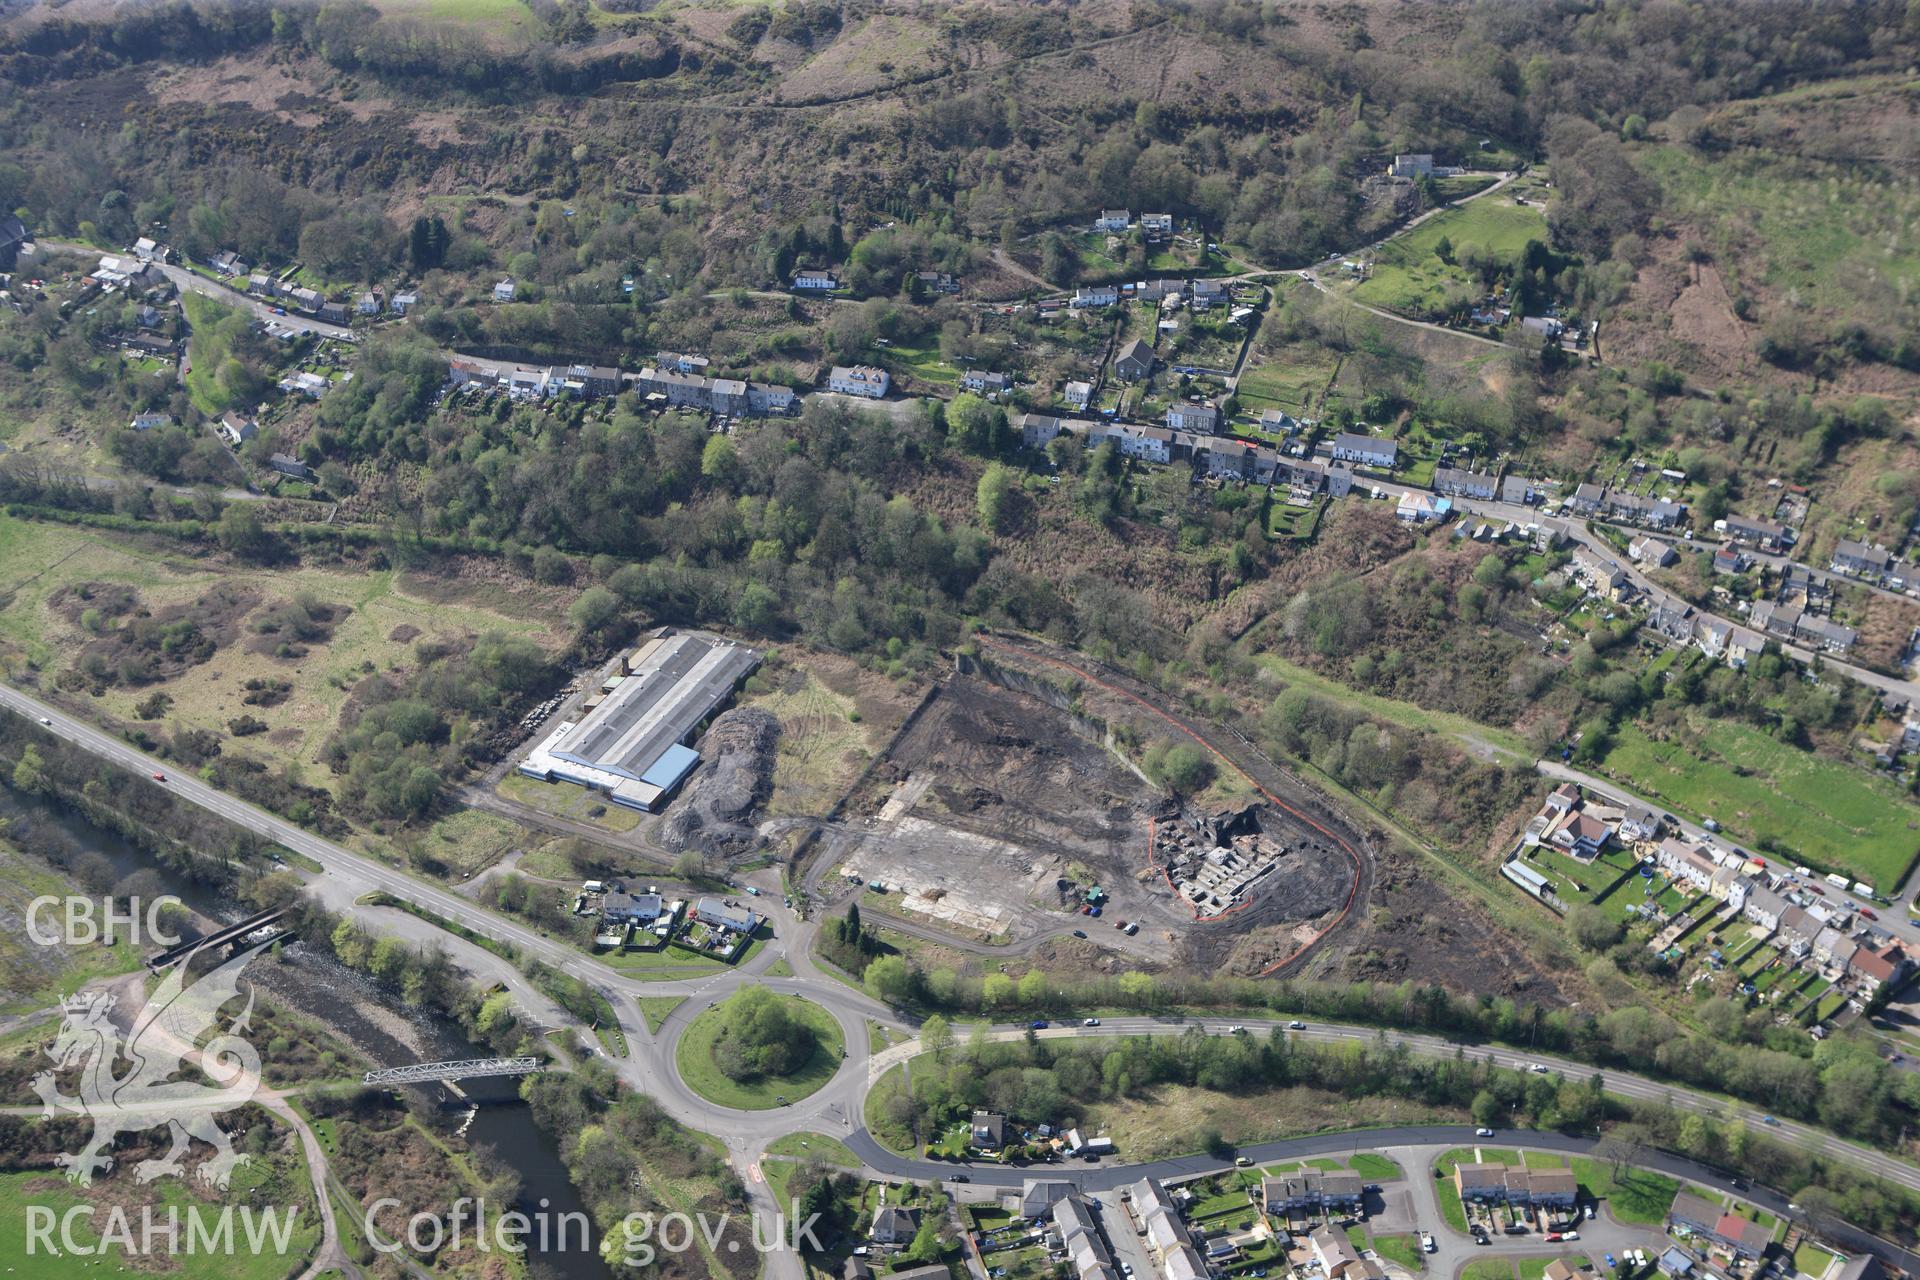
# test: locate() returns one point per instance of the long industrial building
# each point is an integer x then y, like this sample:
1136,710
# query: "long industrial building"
634,743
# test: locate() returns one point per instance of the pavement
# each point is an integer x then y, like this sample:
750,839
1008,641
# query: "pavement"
193,282
837,1107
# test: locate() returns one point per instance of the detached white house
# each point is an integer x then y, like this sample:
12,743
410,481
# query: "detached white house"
1348,447
858,380
1113,220
1096,295
504,291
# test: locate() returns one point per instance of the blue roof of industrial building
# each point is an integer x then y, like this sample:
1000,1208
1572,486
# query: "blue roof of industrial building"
673,765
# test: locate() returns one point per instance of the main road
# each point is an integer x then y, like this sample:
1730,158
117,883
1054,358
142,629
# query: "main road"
838,1107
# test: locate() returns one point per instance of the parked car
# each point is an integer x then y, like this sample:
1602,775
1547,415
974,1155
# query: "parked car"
959,1177
1554,1237
1243,1161
1426,1243
1869,913
1589,1213
1079,933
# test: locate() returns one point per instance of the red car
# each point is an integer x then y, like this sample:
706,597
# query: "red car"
1552,1236
1869,913
1814,888
159,777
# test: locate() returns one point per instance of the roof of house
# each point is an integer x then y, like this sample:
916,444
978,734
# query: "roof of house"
1350,442
1333,1247
894,1220
1743,1231
1137,351
1688,1207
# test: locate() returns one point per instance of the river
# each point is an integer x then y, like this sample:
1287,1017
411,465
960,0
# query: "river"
364,1015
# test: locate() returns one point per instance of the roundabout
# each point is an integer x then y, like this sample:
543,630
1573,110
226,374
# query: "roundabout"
758,1050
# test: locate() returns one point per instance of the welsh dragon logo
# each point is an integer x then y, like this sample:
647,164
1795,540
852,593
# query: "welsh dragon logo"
148,1095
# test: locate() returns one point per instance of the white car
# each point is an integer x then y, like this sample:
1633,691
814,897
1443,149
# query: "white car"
1538,1068
45,721
1426,1242
1236,1029
1296,1025
1091,1022
1483,1133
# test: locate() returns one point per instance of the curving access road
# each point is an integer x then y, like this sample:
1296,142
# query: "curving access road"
837,1108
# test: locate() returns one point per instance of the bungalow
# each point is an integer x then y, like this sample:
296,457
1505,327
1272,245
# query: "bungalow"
1465,484
1348,447
858,380
504,290
1412,166
1157,224
307,384
1134,362
631,908
149,421
1077,395
987,383
1730,560
1650,550
1518,490
1279,422
1421,508
809,280
403,302
1765,534
237,429
1113,220
1860,560
1202,419
716,914
1096,295
1546,328
988,1130
288,465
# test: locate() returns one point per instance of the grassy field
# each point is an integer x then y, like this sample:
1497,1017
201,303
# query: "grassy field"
1292,377
1409,276
824,743
704,1077
275,1182
1792,224
1404,1250
1637,1196
813,1146
1471,732
34,977
471,840
1775,797
1373,1167
565,800
655,1009
383,616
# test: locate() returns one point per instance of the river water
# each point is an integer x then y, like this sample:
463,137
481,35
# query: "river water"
363,1014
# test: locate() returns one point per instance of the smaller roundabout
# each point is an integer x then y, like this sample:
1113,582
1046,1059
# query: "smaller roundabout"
758,1050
